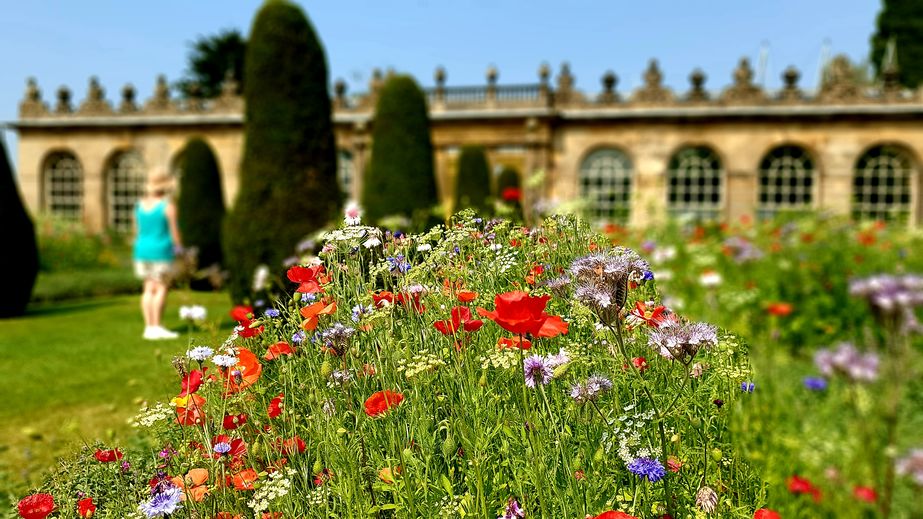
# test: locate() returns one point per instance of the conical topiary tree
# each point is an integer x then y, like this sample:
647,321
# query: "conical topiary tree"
509,191
201,205
400,178
472,184
19,262
288,186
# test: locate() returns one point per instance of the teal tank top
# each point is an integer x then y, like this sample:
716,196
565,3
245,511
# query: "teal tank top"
153,242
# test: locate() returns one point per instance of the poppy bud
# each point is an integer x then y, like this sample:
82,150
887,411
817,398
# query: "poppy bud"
326,369
717,454
318,467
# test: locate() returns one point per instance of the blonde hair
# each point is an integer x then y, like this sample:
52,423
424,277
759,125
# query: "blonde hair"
159,183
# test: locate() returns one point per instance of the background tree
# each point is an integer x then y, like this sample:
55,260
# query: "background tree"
201,205
400,178
903,21
210,59
288,186
19,262
472,184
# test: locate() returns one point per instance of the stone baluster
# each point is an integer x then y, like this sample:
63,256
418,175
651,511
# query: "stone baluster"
439,93
564,92
544,91
491,85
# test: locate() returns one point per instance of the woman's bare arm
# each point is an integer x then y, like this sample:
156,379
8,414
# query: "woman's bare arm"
174,226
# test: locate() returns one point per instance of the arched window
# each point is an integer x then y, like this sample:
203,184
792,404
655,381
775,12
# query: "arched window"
605,183
125,178
694,183
786,181
346,173
63,186
882,185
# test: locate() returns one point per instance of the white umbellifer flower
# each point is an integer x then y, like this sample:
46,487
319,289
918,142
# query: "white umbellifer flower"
200,353
224,361
424,247
151,415
275,487
371,242
193,313
353,214
710,278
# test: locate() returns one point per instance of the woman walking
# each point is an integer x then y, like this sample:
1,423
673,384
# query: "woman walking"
156,239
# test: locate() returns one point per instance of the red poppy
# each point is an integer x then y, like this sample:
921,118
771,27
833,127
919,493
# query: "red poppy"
243,374
240,313
36,506
276,406
85,507
232,421
866,494
674,464
640,363
511,194
244,479
228,515
312,313
191,382
765,513
779,309
382,299
278,349
536,271
513,342
461,318
519,313
380,402
799,485
246,330
466,296
411,300
309,279
651,316
193,484
189,409
107,456
388,474
292,445
614,514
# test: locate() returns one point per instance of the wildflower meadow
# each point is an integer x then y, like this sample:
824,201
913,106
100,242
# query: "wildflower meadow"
486,369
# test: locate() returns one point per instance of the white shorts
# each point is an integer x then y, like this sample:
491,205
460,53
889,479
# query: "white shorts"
154,270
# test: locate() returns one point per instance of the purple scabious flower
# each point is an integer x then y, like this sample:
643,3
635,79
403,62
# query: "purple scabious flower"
911,465
513,510
536,370
743,250
681,341
815,383
162,504
298,337
337,337
591,390
847,361
649,468
559,285
892,299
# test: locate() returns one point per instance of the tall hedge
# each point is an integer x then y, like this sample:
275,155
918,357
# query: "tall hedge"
901,20
400,178
201,202
472,184
19,261
288,186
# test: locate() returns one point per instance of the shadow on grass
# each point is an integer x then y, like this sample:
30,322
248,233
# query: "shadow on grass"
51,309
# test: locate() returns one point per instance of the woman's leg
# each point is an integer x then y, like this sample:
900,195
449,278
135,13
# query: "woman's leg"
146,300
158,301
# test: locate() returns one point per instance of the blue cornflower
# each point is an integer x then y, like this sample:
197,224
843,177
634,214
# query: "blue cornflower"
272,312
200,353
298,337
308,298
747,387
647,276
222,447
399,265
163,504
359,311
649,468
815,383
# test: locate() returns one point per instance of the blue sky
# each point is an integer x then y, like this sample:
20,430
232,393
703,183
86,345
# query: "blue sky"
65,42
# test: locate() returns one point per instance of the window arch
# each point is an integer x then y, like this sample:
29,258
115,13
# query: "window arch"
346,172
786,181
62,189
882,184
125,178
694,183
605,183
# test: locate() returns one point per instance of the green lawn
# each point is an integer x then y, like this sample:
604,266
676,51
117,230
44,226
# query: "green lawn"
76,372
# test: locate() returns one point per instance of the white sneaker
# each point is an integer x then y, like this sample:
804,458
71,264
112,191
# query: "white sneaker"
163,333
150,333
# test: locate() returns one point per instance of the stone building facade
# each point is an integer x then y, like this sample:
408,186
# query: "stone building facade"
634,157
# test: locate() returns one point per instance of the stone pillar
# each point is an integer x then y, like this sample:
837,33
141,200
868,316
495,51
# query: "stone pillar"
93,158
360,147
739,196
837,159
29,174
649,188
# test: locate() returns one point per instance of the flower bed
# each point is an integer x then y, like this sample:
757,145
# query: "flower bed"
477,370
